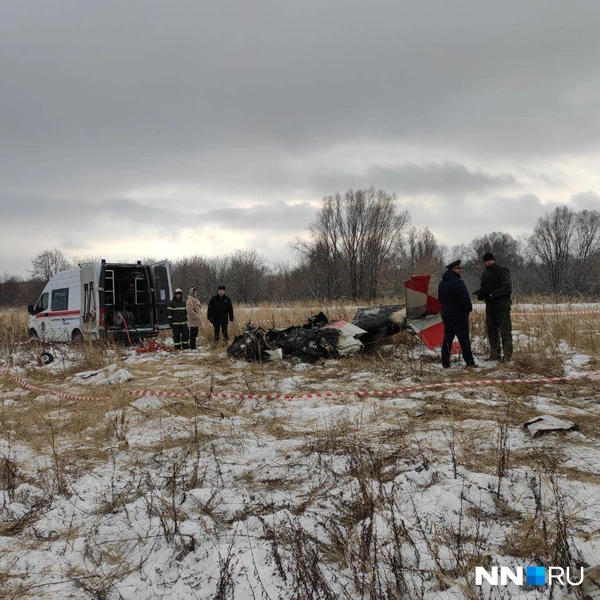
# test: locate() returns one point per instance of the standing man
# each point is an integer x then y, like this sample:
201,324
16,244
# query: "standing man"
456,307
176,314
495,291
192,306
220,312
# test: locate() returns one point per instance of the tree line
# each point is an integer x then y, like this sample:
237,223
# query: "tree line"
362,245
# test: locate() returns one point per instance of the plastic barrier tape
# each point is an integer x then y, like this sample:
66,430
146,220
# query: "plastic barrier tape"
550,313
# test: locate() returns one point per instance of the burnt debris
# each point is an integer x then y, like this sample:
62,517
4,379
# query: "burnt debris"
319,338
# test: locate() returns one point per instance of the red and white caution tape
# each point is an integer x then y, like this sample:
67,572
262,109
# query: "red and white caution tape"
549,313
315,395
365,393
28,386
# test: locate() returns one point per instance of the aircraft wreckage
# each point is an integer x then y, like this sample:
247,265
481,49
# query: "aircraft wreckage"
319,338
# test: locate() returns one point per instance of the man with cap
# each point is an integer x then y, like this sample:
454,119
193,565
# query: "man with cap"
177,316
456,307
220,312
495,291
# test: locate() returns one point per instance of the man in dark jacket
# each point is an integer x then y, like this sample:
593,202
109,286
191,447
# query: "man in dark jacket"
220,312
177,316
495,290
456,307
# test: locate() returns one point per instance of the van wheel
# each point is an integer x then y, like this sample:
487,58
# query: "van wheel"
33,333
46,358
77,336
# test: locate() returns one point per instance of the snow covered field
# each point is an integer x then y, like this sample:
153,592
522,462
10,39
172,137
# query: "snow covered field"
163,475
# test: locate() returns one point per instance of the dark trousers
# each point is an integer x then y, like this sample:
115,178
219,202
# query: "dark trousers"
181,335
499,327
193,336
222,326
456,328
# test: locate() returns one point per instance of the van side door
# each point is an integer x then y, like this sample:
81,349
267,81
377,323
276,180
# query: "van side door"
39,317
58,327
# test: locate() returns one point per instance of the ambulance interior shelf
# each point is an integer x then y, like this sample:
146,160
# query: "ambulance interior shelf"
127,298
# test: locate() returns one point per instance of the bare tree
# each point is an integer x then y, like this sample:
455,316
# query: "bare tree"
247,274
383,234
566,247
322,254
422,252
79,259
323,265
287,282
509,253
586,253
198,271
352,238
550,243
504,247
48,263
15,291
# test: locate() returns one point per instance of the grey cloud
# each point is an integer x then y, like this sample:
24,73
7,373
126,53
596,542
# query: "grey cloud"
519,211
15,261
276,216
237,101
586,201
459,223
552,179
138,88
78,215
77,227
409,178
158,212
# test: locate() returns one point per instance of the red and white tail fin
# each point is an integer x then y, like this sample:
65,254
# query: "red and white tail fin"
423,311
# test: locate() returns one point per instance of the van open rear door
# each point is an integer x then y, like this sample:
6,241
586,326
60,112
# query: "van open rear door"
89,311
162,292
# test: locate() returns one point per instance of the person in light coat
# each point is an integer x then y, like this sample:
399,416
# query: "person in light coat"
193,307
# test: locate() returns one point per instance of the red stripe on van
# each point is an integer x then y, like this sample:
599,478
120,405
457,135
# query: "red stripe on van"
57,313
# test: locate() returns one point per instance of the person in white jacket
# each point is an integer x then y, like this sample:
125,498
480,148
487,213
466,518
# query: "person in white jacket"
192,306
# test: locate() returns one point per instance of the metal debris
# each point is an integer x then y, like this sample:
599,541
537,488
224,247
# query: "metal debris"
545,423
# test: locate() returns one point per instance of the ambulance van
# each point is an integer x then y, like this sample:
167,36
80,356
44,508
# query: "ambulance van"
103,300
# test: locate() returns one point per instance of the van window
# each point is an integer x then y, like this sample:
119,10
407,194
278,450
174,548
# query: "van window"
60,299
42,303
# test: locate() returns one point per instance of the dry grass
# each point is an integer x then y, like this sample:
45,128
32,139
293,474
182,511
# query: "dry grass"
343,467
543,334
13,325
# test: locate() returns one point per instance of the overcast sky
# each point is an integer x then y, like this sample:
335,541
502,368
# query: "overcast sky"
144,128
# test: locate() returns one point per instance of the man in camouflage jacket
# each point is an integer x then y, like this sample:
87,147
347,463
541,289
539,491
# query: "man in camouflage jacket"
495,291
